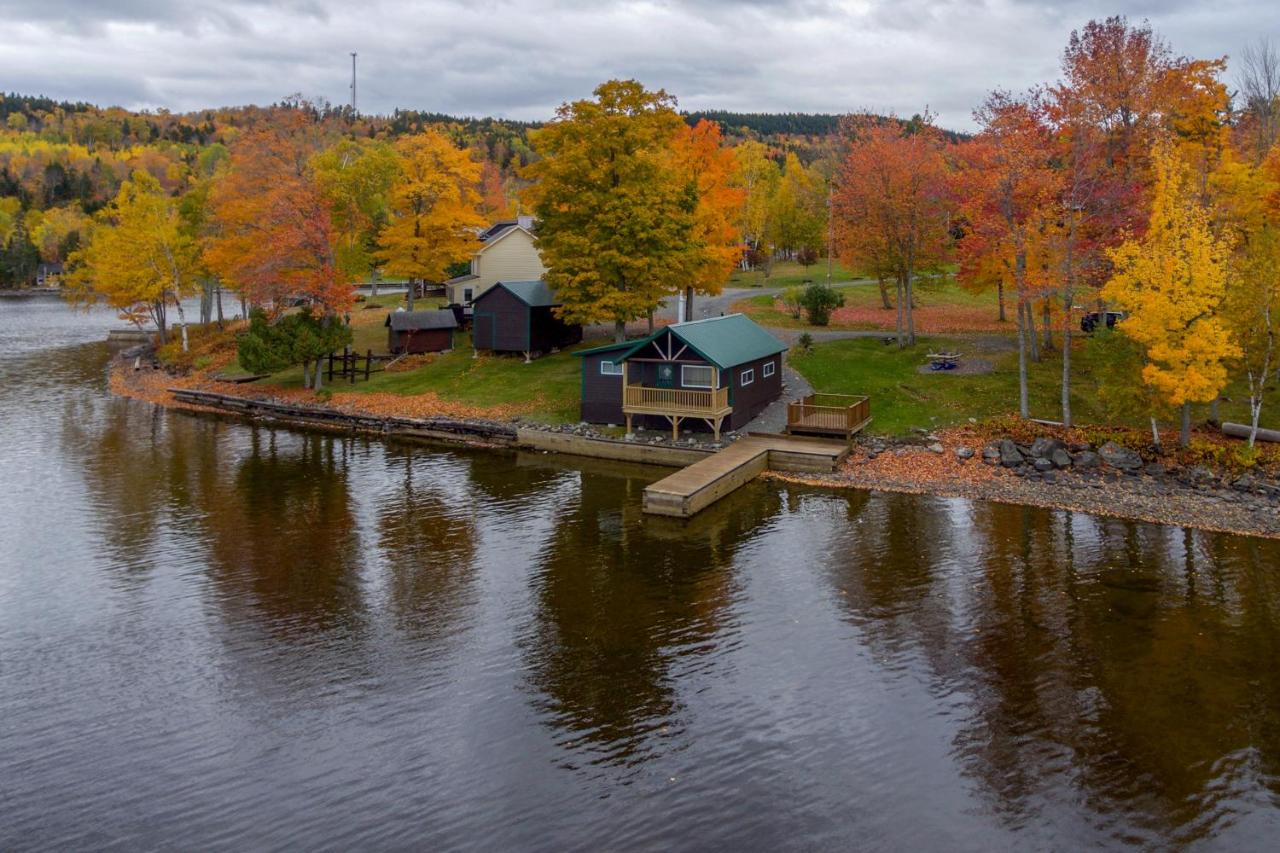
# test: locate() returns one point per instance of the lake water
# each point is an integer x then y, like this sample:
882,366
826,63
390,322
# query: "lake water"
216,636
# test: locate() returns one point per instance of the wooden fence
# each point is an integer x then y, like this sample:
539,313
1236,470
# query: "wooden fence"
348,364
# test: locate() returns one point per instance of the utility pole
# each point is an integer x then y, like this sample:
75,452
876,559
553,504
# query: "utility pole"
353,84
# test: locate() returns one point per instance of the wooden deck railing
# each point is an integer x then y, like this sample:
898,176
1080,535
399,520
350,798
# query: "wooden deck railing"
675,401
838,414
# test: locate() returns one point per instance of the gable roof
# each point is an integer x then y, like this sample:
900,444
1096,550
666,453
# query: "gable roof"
535,294
724,341
417,321
502,226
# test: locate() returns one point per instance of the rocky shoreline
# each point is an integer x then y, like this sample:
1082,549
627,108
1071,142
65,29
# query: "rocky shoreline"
1109,480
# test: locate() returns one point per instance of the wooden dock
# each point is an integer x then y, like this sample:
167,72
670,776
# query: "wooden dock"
692,489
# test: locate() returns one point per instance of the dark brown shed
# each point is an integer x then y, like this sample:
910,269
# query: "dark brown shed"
420,331
519,316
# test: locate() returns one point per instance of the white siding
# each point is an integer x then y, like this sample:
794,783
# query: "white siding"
510,258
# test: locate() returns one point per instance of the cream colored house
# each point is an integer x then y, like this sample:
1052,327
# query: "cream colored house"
507,254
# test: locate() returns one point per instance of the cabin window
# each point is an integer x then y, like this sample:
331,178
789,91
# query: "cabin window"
697,376
768,369
466,295
747,377
610,368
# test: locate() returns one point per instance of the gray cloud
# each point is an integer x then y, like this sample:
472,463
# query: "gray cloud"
521,59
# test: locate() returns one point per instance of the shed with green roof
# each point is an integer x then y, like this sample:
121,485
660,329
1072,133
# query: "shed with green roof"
519,317
720,372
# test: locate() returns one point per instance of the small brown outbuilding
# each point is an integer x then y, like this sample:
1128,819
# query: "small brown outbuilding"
420,331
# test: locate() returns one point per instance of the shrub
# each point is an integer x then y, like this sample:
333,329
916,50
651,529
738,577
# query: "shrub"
819,300
808,256
805,342
791,300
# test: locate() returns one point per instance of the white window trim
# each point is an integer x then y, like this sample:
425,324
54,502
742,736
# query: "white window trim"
685,383
746,377
769,368
611,372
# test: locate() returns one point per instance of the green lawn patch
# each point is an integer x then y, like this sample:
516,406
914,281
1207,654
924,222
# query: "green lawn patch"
903,398
788,273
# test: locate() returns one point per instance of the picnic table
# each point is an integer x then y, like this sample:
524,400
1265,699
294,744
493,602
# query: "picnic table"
944,360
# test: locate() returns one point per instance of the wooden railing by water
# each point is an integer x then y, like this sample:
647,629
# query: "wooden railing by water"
676,401
829,414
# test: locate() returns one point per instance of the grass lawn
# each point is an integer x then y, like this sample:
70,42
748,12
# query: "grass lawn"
788,273
942,307
903,398
546,390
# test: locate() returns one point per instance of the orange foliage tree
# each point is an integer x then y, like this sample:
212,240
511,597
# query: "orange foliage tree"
892,208
271,236
1008,190
709,168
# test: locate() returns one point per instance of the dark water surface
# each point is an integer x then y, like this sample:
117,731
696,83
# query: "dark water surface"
220,637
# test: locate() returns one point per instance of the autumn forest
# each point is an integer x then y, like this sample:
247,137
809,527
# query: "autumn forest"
1140,181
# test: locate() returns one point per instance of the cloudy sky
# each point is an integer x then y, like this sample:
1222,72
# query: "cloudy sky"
520,59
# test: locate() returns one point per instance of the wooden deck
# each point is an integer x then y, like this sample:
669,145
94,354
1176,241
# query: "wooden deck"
829,414
692,489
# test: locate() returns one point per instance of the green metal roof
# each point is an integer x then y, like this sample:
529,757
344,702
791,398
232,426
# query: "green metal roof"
535,294
724,341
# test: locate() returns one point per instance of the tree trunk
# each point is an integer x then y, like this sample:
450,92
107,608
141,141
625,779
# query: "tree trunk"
182,318
1066,361
1155,433
1000,300
244,309
413,289
1184,438
319,377
218,298
688,303
161,324
884,296
1047,319
911,320
619,331
1024,404
650,319
1213,411
1029,323
898,302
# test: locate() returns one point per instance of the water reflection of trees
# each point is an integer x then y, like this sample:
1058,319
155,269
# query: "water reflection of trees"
427,533
1135,663
624,601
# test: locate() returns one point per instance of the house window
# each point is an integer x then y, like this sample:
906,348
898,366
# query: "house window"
697,376
610,368
466,295
747,377
768,369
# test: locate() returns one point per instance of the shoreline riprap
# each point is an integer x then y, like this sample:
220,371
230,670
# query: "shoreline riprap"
949,463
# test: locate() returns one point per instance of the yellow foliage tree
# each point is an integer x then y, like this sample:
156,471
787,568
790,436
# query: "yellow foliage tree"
1172,282
138,256
435,204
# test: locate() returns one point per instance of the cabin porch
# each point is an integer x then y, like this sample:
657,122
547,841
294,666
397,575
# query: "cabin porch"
675,404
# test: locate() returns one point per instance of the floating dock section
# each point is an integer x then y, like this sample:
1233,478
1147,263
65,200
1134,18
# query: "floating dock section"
692,489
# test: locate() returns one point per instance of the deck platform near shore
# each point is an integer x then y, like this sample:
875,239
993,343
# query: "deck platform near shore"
692,489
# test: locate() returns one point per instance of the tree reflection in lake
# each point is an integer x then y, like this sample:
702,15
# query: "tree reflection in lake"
624,601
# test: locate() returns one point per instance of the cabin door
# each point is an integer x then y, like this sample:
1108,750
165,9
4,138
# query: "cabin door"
666,376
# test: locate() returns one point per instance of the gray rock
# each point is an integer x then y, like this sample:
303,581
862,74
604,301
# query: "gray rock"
1120,457
1155,469
1050,477
991,454
1042,465
1060,458
1010,455
1086,459
936,447
1042,448
963,453
1199,475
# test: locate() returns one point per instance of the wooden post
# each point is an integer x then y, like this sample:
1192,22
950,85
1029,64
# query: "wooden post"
628,417
368,360
330,367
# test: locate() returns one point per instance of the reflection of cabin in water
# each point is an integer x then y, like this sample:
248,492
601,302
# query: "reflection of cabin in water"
519,316
721,371
420,331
